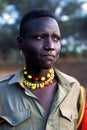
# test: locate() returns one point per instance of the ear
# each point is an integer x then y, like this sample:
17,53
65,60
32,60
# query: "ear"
20,41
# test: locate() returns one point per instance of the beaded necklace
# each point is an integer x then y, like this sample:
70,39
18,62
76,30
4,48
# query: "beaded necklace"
43,81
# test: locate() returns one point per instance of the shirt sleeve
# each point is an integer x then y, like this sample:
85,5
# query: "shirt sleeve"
83,125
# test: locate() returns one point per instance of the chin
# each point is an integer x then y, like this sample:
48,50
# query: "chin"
47,66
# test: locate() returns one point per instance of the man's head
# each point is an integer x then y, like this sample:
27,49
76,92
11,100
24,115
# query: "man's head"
31,15
39,38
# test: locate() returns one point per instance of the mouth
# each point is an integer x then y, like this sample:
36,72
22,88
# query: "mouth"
48,58
48,55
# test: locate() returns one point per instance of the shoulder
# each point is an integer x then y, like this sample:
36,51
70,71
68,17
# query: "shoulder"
5,78
4,81
66,77
10,80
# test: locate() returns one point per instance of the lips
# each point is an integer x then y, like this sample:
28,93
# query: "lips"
48,55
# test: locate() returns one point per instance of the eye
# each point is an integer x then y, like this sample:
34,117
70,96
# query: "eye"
55,38
38,37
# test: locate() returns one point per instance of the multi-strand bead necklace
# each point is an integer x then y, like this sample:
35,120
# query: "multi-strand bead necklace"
41,83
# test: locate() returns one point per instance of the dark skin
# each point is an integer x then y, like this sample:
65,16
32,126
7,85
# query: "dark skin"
41,47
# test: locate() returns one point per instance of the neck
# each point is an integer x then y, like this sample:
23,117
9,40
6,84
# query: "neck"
37,71
35,81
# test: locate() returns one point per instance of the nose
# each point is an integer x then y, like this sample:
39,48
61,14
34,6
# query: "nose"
49,44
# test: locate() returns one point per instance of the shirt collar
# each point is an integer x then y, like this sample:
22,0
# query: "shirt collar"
63,80
16,77
65,85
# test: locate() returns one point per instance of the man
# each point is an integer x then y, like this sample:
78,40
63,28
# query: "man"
40,97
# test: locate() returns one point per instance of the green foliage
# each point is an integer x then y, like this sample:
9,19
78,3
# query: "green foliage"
75,26
71,8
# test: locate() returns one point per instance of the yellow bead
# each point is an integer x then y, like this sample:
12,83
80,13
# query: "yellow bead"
25,72
51,70
43,78
30,84
29,77
41,85
24,81
37,85
24,68
48,75
33,86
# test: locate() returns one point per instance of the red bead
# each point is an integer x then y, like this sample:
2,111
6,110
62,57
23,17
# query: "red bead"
36,79
46,84
51,82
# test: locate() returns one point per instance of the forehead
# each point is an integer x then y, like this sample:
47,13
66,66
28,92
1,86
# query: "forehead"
42,24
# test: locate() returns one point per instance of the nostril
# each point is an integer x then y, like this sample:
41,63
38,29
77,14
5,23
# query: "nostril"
49,48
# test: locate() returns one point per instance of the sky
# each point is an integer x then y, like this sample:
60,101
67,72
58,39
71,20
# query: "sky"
84,6
9,15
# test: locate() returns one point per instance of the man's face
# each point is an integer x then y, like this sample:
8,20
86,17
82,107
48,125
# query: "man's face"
41,44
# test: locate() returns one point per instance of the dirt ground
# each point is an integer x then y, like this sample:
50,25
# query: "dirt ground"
74,67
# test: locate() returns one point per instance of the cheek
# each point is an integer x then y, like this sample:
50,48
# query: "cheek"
32,49
58,48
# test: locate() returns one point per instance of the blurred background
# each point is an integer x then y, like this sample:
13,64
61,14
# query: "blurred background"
72,19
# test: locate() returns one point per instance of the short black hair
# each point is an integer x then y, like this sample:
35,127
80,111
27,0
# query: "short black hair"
34,14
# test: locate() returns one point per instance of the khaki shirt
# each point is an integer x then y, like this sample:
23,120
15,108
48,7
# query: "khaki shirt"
21,110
